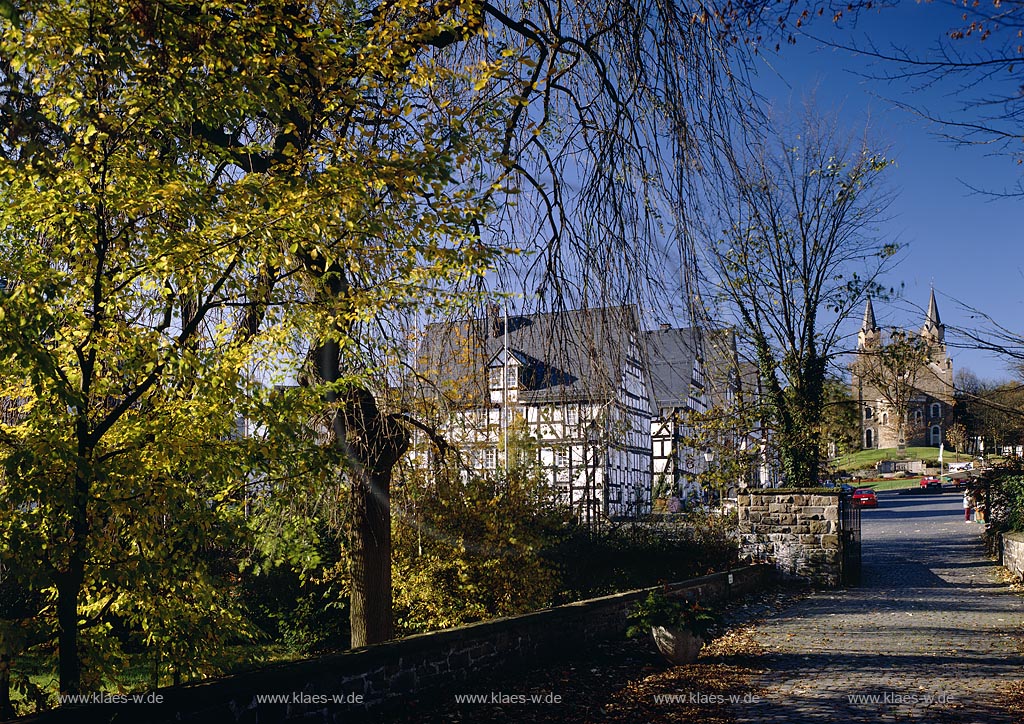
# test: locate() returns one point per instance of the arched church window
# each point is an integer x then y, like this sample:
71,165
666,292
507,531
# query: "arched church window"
936,410
869,439
936,435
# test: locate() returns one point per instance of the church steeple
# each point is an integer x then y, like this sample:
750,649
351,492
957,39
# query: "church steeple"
934,331
869,333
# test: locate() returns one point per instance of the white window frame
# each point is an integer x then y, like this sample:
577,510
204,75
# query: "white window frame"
561,458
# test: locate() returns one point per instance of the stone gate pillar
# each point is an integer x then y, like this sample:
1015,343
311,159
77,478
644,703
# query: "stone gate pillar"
795,530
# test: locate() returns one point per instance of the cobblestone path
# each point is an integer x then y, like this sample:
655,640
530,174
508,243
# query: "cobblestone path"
929,636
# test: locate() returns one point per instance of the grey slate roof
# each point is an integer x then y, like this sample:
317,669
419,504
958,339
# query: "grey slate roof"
575,355
721,365
670,354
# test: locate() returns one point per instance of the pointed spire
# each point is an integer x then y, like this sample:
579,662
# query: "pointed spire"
869,325
933,329
933,311
869,334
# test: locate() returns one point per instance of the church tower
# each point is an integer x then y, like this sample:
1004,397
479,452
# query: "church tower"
928,412
869,334
933,331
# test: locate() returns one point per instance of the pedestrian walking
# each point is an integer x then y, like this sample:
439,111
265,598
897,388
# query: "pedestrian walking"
968,506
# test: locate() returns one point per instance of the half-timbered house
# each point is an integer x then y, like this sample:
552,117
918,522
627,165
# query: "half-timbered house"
676,360
574,382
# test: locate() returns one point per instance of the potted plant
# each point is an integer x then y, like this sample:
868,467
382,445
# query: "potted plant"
679,627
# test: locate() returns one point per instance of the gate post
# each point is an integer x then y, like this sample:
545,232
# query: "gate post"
796,530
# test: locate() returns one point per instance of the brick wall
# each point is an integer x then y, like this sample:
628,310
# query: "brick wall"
798,532
382,675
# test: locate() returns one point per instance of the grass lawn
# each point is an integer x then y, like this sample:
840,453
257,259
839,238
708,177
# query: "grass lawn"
889,484
867,458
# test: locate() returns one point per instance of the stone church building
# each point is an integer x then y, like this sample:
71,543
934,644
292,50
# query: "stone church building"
925,393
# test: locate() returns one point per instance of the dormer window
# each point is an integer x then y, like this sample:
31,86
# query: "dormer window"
511,381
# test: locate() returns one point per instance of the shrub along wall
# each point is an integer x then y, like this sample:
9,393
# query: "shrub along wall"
343,687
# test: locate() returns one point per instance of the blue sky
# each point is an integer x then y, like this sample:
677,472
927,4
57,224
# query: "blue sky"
968,245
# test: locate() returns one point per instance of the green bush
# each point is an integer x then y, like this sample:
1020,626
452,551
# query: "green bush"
474,549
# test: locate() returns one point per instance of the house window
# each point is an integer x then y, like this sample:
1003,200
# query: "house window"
936,410
494,377
868,412
491,458
572,416
936,435
561,458
869,439
918,417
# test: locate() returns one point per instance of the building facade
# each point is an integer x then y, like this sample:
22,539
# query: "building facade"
601,407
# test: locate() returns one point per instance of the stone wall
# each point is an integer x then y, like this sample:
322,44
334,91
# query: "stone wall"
1013,553
384,675
798,532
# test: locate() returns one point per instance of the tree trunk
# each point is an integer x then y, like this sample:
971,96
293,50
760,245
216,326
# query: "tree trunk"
374,443
370,611
6,708
69,586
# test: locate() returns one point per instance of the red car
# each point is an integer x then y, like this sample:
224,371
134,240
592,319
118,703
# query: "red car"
930,481
865,498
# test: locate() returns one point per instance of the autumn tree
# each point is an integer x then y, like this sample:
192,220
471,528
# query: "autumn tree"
185,190
958,438
791,254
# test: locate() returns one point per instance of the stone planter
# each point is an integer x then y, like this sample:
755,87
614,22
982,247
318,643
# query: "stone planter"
678,645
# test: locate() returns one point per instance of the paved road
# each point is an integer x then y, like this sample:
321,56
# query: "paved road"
928,637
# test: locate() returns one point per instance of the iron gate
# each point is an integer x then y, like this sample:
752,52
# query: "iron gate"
849,539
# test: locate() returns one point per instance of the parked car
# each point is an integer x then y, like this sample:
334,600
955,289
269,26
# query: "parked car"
846,488
865,498
930,481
